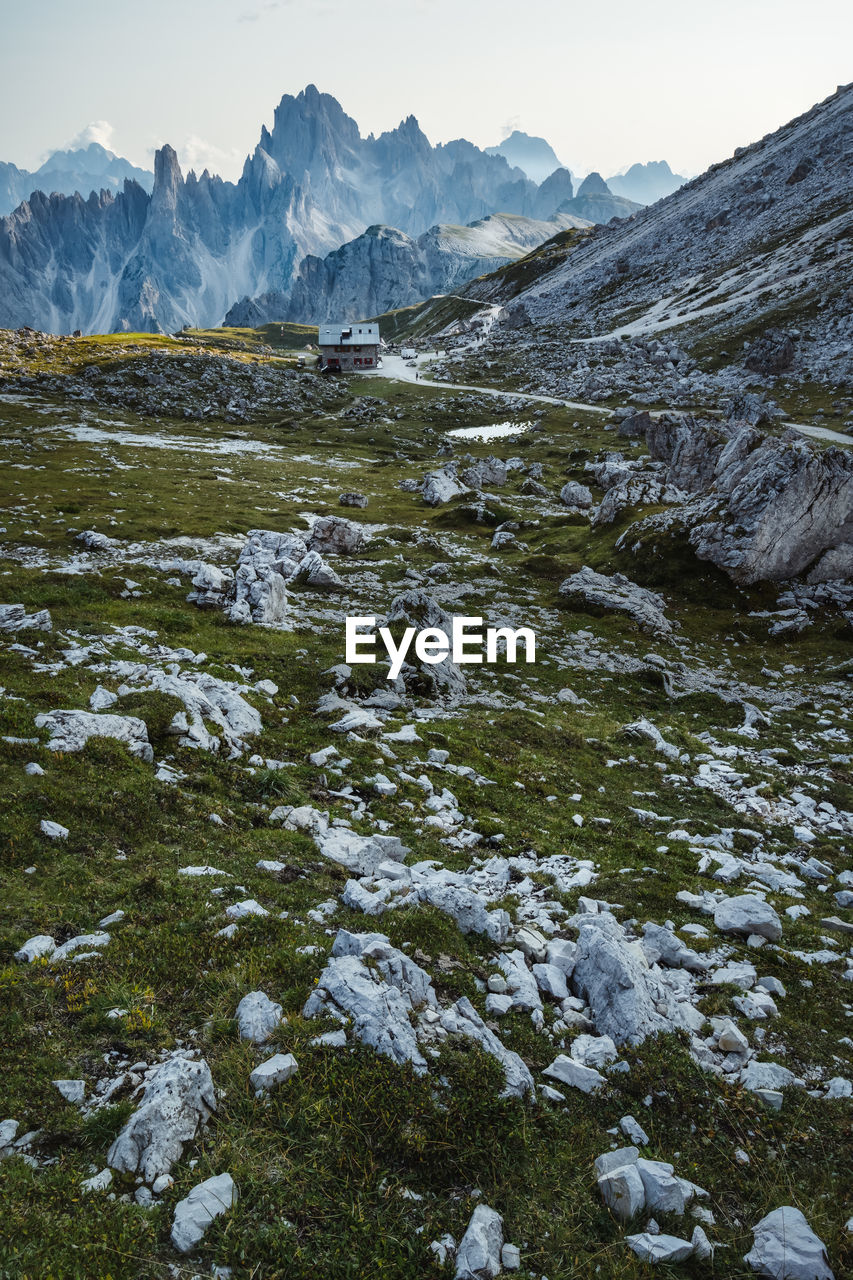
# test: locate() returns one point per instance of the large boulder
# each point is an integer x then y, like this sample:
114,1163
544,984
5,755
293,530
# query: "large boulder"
786,1248
599,593
748,914
772,353
479,1254
71,730
176,1101
418,609
442,486
377,997
333,535
629,998
766,508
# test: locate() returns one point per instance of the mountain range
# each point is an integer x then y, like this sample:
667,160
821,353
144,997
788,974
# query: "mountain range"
186,251
384,268
83,169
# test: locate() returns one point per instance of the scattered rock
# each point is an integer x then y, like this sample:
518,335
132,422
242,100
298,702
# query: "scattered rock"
194,1214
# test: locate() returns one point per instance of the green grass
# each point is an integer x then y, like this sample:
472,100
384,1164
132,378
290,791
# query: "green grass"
321,1169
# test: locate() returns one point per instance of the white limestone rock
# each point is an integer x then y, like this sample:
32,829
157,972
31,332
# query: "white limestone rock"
767,1075
462,1019
176,1101
378,1000
73,1091
336,536
274,1071
40,946
748,914
626,994
82,942
573,1073
622,1191
593,1051
786,1248
53,830
257,1017
617,594
479,1254
243,910
664,1193
98,1182
467,909
576,495
634,1130
194,1214
439,487
659,1248
14,617
71,730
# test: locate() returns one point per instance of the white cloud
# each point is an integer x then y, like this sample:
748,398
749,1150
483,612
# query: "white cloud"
196,153
100,131
510,126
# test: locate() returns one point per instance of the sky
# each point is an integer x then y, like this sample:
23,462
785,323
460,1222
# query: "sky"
607,84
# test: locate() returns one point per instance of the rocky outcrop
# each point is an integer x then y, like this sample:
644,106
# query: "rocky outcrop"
768,508
597,203
269,563
617,594
71,730
176,1101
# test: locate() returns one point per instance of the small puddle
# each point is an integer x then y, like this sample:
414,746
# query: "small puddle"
493,432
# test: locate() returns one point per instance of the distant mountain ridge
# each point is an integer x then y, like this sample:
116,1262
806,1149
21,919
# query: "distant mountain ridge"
534,156
384,269
646,183
82,170
185,253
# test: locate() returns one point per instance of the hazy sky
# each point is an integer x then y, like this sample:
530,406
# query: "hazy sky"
607,84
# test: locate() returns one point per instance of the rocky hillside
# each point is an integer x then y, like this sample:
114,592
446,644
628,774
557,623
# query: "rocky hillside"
764,237
476,970
385,269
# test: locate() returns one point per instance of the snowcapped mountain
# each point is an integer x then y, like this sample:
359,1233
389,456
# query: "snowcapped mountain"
84,169
186,252
384,268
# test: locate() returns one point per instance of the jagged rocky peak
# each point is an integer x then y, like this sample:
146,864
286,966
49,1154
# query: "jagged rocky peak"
593,185
556,189
646,183
535,156
404,144
167,169
309,131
